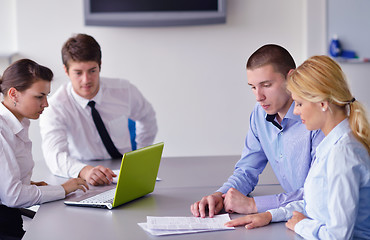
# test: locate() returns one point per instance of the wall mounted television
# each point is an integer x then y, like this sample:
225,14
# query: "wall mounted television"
154,13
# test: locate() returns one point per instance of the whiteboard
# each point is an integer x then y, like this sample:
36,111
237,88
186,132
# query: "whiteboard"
350,21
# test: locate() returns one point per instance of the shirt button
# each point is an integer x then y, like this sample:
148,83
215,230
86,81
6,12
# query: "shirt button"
281,133
281,155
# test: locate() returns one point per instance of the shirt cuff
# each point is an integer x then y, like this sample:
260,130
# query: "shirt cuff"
277,215
51,193
264,203
76,169
300,226
223,189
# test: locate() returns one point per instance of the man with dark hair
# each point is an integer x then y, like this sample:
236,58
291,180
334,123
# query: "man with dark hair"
88,117
275,135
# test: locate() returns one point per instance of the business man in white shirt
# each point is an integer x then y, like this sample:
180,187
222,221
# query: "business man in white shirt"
69,132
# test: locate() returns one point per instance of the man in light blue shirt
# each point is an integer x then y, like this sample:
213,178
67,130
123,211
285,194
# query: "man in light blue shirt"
275,135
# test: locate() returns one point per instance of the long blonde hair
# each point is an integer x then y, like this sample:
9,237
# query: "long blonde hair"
320,78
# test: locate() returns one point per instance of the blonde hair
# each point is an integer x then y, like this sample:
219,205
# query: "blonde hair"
319,79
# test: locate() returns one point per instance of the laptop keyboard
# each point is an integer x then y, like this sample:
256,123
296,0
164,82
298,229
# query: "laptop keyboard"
104,197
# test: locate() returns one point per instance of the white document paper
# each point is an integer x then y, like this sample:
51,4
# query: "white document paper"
188,223
170,232
183,225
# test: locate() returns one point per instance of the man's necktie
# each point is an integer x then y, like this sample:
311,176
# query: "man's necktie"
104,135
271,118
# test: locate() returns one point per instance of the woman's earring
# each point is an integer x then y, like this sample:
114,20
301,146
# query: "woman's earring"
15,103
323,109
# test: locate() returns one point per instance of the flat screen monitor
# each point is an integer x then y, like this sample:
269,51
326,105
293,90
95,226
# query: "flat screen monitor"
154,13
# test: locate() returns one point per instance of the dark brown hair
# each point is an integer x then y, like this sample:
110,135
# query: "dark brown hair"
81,48
22,74
274,55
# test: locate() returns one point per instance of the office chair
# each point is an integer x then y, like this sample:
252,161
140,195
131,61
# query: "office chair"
132,130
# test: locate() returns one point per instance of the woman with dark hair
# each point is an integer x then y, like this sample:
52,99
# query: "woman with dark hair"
337,188
25,86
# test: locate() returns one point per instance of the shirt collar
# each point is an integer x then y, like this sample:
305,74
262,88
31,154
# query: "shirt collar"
289,115
13,122
83,101
332,138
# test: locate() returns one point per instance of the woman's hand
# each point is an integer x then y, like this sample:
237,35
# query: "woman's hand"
251,221
297,217
73,184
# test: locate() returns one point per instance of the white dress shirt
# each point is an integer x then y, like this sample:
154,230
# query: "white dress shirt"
336,191
16,166
69,134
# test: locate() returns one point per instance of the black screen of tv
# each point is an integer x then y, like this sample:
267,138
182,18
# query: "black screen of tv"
154,13
99,6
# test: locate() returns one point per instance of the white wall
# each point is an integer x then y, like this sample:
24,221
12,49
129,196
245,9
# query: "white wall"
8,43
194,76
317,42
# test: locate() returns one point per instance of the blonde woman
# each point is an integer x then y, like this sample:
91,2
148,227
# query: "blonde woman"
337,188
25,86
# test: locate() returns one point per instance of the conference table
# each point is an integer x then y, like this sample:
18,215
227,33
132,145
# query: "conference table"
184,180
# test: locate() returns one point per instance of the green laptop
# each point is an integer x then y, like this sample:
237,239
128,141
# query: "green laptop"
137,177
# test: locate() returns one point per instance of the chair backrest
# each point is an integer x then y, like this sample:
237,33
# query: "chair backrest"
132,129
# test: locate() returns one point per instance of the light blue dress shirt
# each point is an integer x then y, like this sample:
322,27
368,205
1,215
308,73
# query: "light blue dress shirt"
336,191
289,151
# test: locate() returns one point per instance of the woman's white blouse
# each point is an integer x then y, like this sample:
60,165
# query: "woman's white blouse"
336,190
16,166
